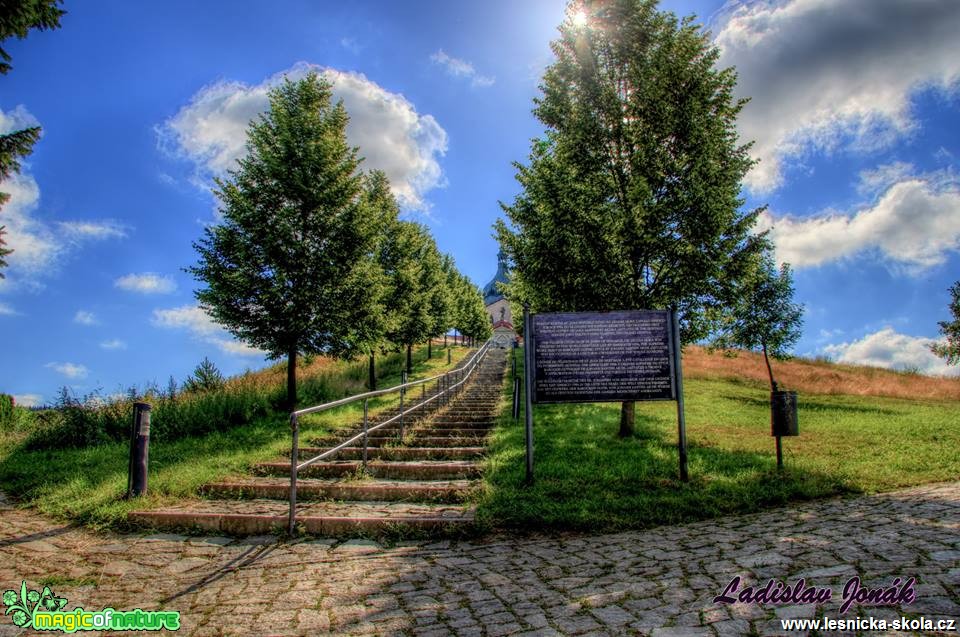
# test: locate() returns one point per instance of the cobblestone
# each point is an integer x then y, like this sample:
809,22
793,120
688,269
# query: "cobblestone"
657,582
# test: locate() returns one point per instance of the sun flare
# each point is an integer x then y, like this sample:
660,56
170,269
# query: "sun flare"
579,18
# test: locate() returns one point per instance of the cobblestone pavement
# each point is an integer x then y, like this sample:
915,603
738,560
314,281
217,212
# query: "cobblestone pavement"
656,582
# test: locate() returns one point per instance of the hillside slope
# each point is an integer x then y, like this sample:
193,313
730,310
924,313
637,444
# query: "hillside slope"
817,377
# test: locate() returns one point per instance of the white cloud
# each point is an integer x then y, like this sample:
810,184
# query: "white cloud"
392,137
146,283
882,177
17,119
823,74
6,310
229,346
70,370
113,344
92,229
890,349
85,318
461,68
195,320
190,317
914,225
35,248
37,245
27,400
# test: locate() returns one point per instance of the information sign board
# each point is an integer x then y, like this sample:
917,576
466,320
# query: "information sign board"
603,356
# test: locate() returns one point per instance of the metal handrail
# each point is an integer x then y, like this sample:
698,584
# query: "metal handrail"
464,372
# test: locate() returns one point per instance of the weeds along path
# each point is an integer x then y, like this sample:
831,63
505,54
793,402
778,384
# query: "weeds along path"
417,479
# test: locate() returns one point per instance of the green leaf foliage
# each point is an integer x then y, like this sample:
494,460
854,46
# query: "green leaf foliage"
631,199
17,17
3,251
291,268
206,377
763,316
949,348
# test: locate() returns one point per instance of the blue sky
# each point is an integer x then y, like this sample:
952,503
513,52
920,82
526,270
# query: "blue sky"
853,113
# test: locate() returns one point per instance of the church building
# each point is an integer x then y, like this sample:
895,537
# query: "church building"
498,307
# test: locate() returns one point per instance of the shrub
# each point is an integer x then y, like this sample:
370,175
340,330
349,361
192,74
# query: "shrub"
6,411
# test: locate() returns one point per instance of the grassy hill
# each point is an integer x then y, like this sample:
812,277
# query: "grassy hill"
818,376
861,430
196,437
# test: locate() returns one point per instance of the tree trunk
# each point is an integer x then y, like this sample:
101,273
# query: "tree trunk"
292,379
444,341
409,358
429,348
766,359
627,412
372,374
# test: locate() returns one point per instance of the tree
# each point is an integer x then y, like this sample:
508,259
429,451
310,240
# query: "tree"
405,302
17,17
631,199
383,209
441,299
3,251
291,267
949,350
470,314
205,377
765,316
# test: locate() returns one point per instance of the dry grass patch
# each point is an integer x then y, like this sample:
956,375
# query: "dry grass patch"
816,377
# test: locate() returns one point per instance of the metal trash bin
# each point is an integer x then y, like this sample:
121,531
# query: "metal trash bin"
783,413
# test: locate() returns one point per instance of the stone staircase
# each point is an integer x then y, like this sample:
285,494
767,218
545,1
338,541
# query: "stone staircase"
415,485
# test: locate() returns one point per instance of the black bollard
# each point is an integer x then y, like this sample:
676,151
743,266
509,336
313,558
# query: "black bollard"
139,451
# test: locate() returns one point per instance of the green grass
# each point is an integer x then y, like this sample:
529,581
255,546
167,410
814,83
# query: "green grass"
87,486
586,478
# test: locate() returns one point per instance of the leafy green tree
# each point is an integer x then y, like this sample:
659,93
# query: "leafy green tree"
765,316
406,302
631,200
418,325
13,147
949,350
205,377
434,283
3,251
291,269
17,17
470,313
441,300
383,210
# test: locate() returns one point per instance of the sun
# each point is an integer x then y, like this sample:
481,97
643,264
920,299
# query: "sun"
579,18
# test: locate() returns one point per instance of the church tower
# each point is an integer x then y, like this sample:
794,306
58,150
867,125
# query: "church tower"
498,307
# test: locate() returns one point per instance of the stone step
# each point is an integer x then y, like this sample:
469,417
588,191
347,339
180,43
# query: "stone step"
259,517
334,489
421,470
443,421
425,440
457,432
398,453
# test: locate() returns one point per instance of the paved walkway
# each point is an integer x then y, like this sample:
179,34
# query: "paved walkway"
656,582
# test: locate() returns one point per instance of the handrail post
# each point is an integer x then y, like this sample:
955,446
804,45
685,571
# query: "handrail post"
403,390
294,458
364,435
